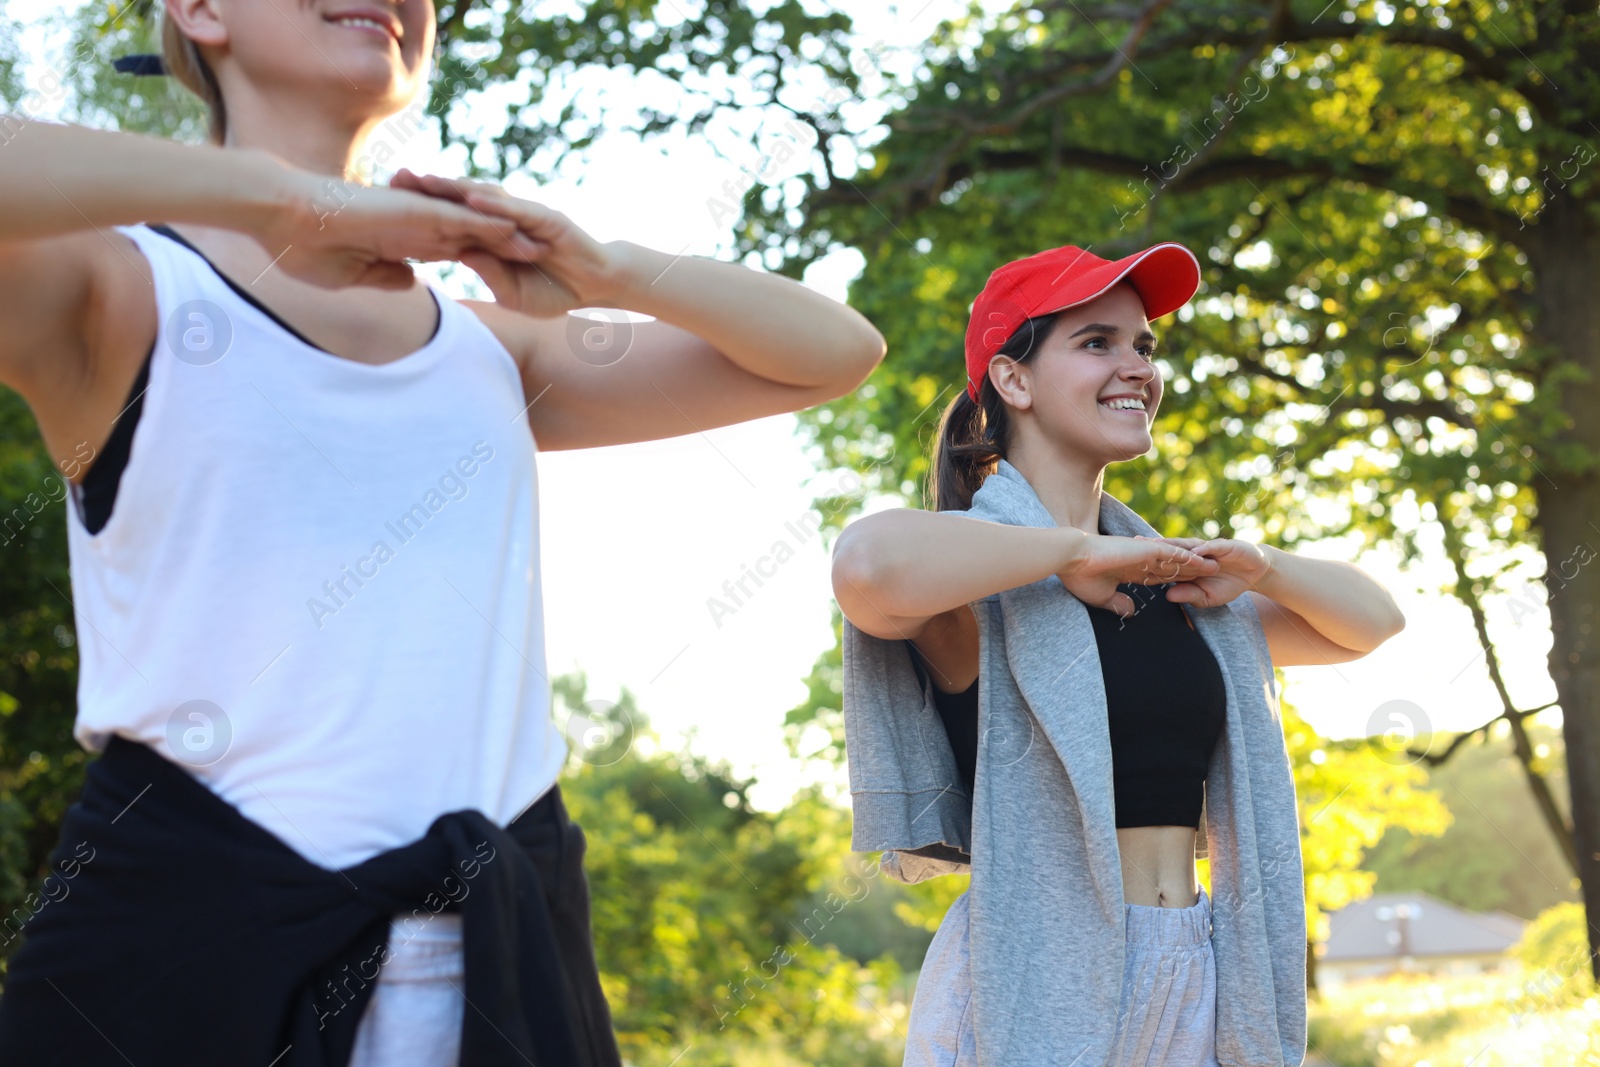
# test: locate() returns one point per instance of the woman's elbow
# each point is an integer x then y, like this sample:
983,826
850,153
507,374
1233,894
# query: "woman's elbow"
1390,622
853,565
1397,620
866,352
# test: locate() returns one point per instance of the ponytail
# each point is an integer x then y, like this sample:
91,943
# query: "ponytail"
183,61
972,436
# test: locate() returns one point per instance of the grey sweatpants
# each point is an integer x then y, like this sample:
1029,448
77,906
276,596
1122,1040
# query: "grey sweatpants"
1169,992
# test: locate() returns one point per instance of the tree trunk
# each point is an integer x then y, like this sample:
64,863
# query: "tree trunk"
1543,795
1567,262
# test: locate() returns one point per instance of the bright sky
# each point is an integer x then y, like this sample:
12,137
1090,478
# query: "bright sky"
636,539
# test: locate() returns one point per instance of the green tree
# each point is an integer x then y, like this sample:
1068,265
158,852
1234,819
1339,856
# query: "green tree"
1394,206
11,88
714,922
1487,860
41,766
1350,794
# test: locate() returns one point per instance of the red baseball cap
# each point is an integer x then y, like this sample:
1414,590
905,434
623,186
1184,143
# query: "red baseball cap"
1164,275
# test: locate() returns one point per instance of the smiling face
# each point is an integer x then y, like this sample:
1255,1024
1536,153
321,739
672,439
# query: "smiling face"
357,58
1092,389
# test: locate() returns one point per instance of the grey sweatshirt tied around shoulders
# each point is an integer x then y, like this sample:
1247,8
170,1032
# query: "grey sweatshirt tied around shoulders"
1039,837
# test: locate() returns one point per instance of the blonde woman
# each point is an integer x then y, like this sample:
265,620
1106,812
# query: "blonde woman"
985,736
324,827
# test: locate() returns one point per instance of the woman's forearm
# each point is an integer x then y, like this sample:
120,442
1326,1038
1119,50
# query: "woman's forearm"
60,179
1340,599
767,324
912,563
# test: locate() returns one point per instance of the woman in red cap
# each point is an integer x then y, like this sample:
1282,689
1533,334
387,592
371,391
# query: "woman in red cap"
325,824
1061,383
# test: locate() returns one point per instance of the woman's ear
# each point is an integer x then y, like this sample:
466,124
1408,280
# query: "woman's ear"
1012,381
200,21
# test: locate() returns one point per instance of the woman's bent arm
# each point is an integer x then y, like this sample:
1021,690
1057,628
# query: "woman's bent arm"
1339,600
766,324
895,570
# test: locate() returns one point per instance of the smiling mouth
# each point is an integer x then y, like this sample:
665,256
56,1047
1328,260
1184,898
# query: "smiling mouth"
1140,410
364,24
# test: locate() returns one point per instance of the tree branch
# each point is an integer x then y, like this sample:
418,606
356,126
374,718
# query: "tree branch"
1468,210
1537,785
1477,63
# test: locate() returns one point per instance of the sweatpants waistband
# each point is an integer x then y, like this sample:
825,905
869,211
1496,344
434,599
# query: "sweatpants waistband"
1148,925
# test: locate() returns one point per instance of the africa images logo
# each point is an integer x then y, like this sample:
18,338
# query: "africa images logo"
452,485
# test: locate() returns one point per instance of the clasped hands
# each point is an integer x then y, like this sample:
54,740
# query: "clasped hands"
533,258
549,266
1242,565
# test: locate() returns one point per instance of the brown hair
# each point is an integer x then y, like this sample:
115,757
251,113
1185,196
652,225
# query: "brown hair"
972,437
183,61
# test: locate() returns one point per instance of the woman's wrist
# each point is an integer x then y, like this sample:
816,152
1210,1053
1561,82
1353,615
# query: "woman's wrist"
629,273
1269,576
267,195
1074,549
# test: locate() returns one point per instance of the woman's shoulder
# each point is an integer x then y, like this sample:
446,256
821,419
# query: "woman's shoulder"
510,328
82,318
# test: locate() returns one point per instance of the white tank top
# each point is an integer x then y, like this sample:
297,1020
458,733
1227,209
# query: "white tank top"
319,588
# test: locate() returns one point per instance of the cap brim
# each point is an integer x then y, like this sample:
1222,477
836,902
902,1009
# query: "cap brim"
1166,277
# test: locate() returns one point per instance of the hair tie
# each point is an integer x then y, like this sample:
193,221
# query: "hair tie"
143,64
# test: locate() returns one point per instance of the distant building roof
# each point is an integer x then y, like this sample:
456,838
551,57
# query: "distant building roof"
1388,925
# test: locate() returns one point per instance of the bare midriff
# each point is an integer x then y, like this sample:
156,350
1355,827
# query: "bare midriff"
1158,866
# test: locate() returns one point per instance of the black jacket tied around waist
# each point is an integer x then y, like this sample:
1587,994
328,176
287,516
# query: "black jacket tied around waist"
188,933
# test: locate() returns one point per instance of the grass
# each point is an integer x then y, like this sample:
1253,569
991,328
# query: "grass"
1499,1020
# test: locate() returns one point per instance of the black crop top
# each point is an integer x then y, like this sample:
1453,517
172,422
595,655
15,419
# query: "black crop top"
1166,704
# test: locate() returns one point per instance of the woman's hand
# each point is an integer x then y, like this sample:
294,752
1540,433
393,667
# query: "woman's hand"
1241,566
569,270
334,233
1108,560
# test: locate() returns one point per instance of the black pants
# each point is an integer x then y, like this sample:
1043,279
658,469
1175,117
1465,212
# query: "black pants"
174,930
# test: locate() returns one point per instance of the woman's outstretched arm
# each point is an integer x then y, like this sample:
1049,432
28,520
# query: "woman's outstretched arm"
64,277
61,179
64,274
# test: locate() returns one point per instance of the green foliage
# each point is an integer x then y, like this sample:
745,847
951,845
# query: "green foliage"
1382,200
11,87
1350,794
1325,214
1492,1020
41,766
1554,953
702,59
89,92
715,924
1361,356
1498,854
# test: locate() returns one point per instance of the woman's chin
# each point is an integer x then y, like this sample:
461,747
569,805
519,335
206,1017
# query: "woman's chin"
1138,445
372,76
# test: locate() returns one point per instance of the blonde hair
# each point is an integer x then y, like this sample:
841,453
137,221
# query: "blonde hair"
183,61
